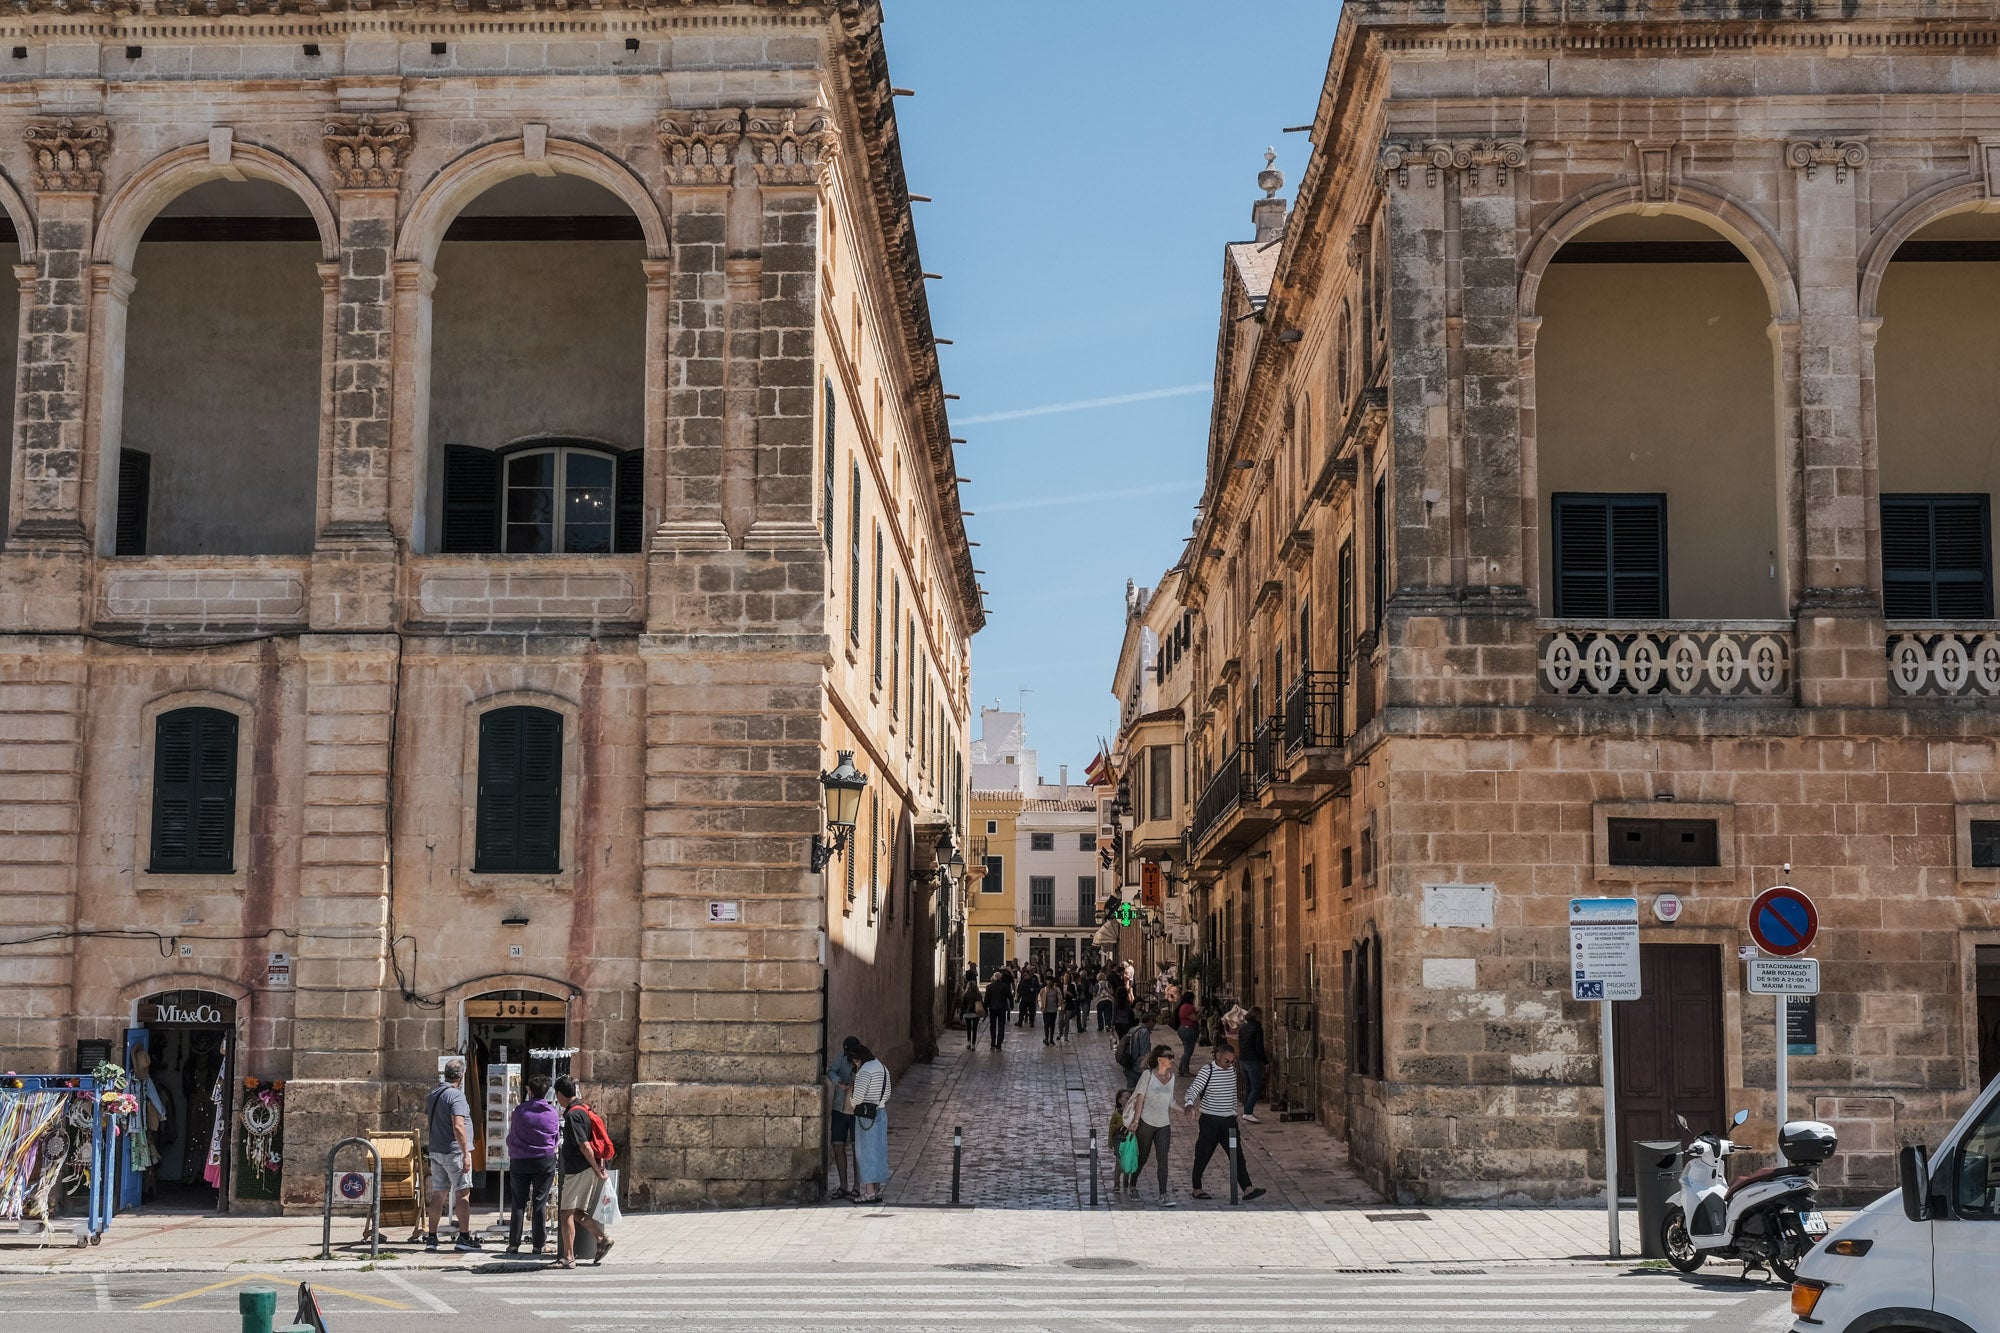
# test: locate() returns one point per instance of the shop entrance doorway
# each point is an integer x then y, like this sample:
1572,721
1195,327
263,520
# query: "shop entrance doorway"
181,1057
507,1028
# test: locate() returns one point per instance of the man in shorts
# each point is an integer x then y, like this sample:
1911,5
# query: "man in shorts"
448,1122
840,1074
583,1177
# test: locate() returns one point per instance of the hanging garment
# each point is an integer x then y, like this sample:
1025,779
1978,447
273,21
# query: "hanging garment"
212,1173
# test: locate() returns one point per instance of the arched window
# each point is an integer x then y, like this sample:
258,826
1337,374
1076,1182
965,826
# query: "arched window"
519,825
546,499
194,793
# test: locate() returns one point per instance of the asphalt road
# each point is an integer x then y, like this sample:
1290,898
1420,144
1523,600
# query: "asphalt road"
1060,1298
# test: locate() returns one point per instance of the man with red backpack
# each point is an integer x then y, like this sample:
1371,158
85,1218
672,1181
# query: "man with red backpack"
585,1156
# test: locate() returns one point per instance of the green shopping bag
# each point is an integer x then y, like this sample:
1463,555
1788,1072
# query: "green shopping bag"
1128,1153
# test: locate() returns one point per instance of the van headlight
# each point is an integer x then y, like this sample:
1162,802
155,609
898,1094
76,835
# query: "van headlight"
1805,1296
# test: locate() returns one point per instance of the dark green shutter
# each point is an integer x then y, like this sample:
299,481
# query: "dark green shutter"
135,495
1611,556
829,433
194,792
471,501
629,534
1936,557
518,822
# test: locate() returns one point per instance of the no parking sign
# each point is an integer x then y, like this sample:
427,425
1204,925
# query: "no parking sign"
1783,921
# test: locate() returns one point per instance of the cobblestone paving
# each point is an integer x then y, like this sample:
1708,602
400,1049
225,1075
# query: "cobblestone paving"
1028,1112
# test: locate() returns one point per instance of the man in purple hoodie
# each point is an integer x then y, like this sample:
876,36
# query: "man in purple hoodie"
532,1137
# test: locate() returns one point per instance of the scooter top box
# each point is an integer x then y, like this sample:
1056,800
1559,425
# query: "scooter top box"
1806,1142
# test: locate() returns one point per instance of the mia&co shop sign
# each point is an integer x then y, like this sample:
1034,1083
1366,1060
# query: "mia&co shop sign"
171,1014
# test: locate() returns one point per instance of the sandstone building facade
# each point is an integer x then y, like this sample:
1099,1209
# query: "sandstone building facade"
1599,503
471,473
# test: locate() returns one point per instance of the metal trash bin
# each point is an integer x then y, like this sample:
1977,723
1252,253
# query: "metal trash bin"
1656,1178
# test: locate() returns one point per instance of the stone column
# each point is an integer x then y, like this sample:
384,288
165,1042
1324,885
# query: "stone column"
1489,388
52,469
1841,639
341,959
354,561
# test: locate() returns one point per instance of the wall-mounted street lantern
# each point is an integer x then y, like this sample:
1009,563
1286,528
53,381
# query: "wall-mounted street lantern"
842,789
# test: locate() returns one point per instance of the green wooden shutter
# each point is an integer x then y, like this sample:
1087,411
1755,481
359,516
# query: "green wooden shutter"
471,501
194,793
830,424
1936,557
1611,556
135,493
629,532
518,821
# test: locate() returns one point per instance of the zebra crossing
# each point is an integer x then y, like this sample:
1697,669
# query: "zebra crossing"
1030,1300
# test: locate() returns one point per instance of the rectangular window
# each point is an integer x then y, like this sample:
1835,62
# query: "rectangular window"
1160,782
1086,900
1937,557
194,793
874,855
1663,842
1986,847
993,880
1041,842
135,481
992,827
1086,842
1379,555
1367,852
854,557
895,645
1611,556
518,823
1309,883
1041,900
1347,867
1343,613
878,606
828,430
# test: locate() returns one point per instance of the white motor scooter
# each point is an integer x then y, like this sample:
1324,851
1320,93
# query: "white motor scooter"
1768,1219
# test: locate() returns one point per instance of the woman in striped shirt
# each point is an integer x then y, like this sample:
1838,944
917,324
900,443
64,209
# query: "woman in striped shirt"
1214,1090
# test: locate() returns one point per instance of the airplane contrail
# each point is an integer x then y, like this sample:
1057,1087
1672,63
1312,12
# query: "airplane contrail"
1084,404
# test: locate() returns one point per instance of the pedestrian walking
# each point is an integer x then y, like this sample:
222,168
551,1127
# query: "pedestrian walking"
1253,1059
1072,1017
871,1124
999,1004
1103,1004
583,1158
1031,988
533,1134
970,1009
1051,1005
1211,1099
448,1140
1153,1118
840,1128
1133,1048
1188,1023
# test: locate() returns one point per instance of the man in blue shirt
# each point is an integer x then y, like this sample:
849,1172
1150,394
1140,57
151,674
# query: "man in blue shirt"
448,1135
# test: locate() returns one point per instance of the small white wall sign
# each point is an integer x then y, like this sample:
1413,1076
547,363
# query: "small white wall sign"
1467,905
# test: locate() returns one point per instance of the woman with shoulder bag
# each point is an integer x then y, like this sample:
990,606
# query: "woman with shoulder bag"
970,1008
871,1124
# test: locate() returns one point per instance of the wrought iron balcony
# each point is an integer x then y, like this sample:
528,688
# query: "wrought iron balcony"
1263,758
1221,794
1742,661
1944,662
1315,712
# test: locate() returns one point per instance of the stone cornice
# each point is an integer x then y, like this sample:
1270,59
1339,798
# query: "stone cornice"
67,154
236,11
1591,18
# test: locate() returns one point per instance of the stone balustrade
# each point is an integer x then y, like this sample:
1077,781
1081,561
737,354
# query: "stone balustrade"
1741,660
1944,662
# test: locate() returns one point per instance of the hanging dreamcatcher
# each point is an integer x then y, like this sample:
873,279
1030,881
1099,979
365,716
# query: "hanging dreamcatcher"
263,1125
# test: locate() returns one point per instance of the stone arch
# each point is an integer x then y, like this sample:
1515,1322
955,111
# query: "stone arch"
158,183
1911,217
462,181
1730,219
23,219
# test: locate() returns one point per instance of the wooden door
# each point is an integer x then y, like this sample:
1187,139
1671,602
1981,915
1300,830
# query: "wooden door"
1669,1048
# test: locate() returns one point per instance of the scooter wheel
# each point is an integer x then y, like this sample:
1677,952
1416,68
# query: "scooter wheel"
1677,1245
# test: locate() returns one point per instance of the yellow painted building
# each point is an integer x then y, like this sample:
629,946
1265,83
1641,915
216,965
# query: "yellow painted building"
989,901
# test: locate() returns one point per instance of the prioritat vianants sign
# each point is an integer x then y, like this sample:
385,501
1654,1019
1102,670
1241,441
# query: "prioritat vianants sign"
1604,948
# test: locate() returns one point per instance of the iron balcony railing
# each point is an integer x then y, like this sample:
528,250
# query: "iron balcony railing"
1222,793
1315,711
1263,757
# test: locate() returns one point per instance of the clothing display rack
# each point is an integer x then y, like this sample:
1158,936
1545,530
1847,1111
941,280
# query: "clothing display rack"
37,1114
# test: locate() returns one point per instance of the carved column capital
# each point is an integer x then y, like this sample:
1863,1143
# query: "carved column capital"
365,153
791,146
68,154
1843,155
1465,156
700,146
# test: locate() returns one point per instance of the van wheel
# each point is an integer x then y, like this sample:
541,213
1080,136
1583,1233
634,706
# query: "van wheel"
1677,1245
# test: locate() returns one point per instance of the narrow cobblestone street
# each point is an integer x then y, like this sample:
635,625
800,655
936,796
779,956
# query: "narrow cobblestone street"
1027,1112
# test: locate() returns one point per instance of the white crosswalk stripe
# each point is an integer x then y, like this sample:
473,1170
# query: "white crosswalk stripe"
905,1300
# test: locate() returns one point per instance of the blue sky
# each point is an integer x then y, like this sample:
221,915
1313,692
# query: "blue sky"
1089,159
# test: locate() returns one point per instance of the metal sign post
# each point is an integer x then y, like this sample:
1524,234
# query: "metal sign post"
1604,966
1784,978
1784,922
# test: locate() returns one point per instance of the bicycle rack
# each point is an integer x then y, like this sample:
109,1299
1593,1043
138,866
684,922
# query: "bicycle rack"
374,1200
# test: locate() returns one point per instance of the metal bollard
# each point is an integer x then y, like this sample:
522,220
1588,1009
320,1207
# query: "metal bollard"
957,1151
1234,1188
257,1307
1093,1168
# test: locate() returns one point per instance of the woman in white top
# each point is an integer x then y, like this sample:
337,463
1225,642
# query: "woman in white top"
871,1132
1151,1113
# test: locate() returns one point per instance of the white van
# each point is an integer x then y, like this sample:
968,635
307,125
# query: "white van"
1924,1260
